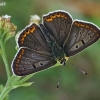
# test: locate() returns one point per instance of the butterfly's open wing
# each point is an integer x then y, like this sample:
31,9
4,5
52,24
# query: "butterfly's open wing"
82,35
33,38
28,61
58,24
34,53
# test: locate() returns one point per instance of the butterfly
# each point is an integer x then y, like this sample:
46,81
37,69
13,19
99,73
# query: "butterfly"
54,40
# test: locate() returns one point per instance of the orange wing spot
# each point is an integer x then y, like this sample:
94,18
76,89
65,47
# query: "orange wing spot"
28,32
82,25
58,15
22,39
54,16
87,26
24,35
33,29
18,72
16,69
95,31
22,52
16,65
19,56
63,16
17,61
45,18
77,24
91,28
22,42
49,19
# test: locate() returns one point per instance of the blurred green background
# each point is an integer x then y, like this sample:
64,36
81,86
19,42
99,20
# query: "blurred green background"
74,85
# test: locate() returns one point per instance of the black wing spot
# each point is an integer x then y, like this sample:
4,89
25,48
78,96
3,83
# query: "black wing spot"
24,67
88,33
33,56
41,64
77,46
26,44
90,37
75,35
34,66
27,59
83,34
25,40
80,32
83,42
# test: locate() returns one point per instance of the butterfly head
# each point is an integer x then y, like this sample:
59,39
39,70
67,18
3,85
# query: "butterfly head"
63,61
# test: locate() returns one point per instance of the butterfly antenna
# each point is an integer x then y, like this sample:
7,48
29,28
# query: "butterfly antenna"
81,70
59,77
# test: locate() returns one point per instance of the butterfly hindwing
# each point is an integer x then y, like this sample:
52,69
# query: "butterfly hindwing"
58,24
28,61
82,35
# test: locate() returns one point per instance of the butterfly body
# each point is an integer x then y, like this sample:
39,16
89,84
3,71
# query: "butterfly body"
56,51
56,39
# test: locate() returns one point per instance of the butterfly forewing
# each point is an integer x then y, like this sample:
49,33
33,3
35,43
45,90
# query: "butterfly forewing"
28,61
58,24
82,35
33,38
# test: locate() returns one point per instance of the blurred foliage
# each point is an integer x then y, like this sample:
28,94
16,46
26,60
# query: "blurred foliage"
73,84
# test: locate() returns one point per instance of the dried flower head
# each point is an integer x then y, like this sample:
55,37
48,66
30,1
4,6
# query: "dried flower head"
34,19
7,29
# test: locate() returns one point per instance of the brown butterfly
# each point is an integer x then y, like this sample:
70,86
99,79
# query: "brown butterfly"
57,38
